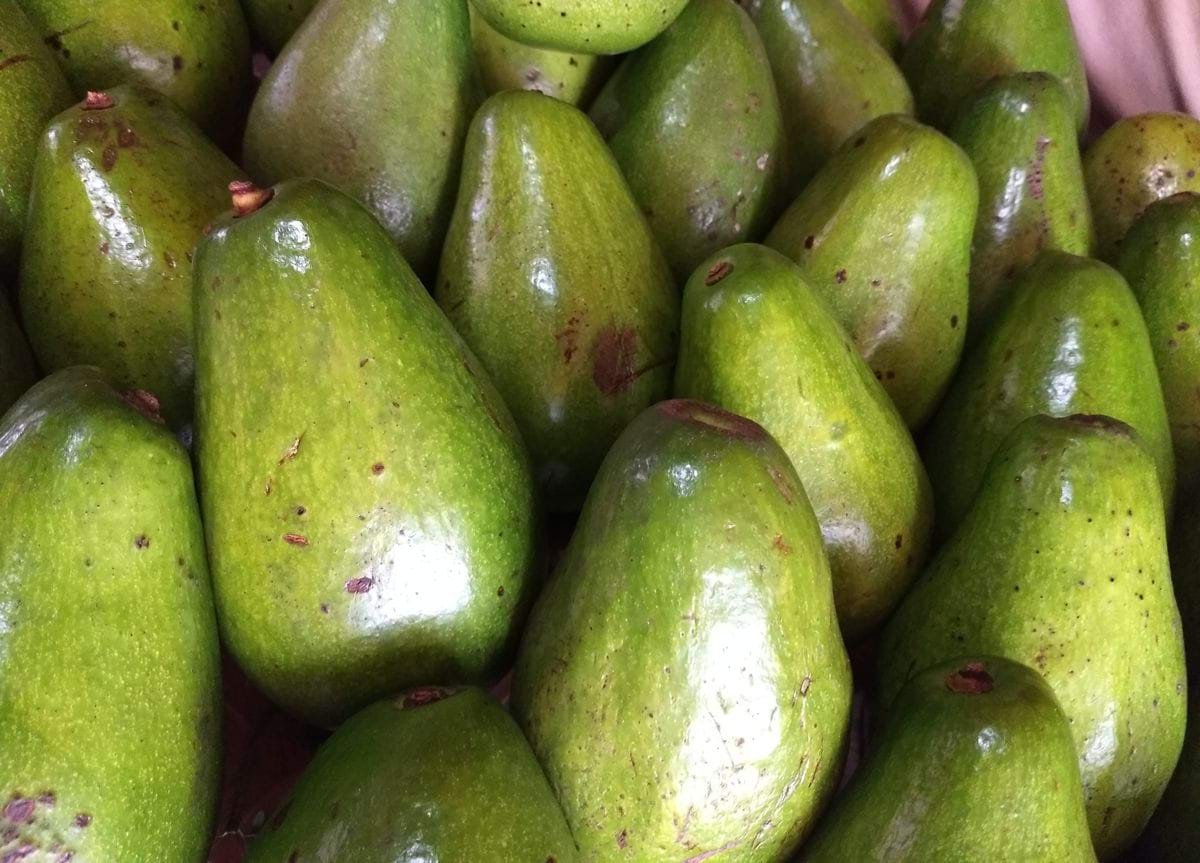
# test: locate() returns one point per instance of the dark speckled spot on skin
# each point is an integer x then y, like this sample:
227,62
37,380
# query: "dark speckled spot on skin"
622,839
177,63
568,338
142,541
805,685
82,820
13,61
126,137
108,160
500,590
780,544
295,539
377,468
712,418
840,276
613,357
971,679
19,810
360,585
425,696
717,272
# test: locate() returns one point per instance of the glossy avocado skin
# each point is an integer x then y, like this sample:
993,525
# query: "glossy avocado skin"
274,21
879,17
17,369
1061,564
682,679
975,761
368,502
1137,161
589,26
1160,257
553,277
349,102
1070,339
198,54
703,88
1019,133
833,77
109,666
959,46
120,197
435,775
32,90
758,340
883,232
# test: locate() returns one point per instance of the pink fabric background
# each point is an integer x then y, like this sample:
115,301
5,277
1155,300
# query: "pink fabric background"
1141,55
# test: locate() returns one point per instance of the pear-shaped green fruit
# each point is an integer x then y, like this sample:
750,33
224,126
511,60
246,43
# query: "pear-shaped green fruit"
110,711
879,17
975,761
1160,257
1070,340
703,88
17,371
589,26
1020,135
368,502
274,21
959,46
353,102
883,232
32,90
435,774
1061,564
123,188
196,53
505,64
832,78
682,679
554,279
1138,161
758,340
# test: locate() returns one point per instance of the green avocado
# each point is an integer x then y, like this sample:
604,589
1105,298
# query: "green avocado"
975,761
833,77
883,232
274,21
1020,135
198,54
960,45
17,370
32,90
1070,339
588,26
554,279
703,88
758,340
879,17
368,502
1061,564
351,101
434,774
1138,161
1160,257
682,679
123,188
505,64
109,666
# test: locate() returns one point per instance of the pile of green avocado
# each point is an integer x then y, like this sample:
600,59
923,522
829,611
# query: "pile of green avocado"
867,396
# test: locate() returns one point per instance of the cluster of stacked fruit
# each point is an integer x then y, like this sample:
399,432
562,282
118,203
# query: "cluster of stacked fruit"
873,427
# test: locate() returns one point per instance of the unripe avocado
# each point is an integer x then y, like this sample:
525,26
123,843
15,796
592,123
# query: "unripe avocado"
109,666
123,188
434,774
975,761
368,502
879,17
274,21
588,26
17,370
1061,565
682,679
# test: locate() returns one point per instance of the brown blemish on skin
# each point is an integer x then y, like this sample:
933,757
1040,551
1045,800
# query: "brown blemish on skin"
711,418
19,810
97,101
780,544
82,820
360,585
809,241
500,590
805,685
971,679
108,159
248,198
717,272
13,61
127,138
424,696
377,468
840,277
295,539
613,356
782,485
293,449
1183,326
1099,421
267,486
1037,169
142,541
622,839
177,63
567,338
145,403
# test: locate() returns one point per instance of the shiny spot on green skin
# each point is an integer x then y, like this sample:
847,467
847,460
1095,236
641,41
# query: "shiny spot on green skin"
587,26
1061,564
17,370
274,21
682,678
879,17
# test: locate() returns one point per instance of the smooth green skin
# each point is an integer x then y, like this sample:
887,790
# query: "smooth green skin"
883,232
1061,564
505,64
109,666
960,45
274,21
553,277
349,101
682,678
336,407
198,54
879,17
703,88
439,781
760,342
975,761
17,370
120,197
586,26
1138,161
1161,259
833,78
32,90
1020,135
1070,340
